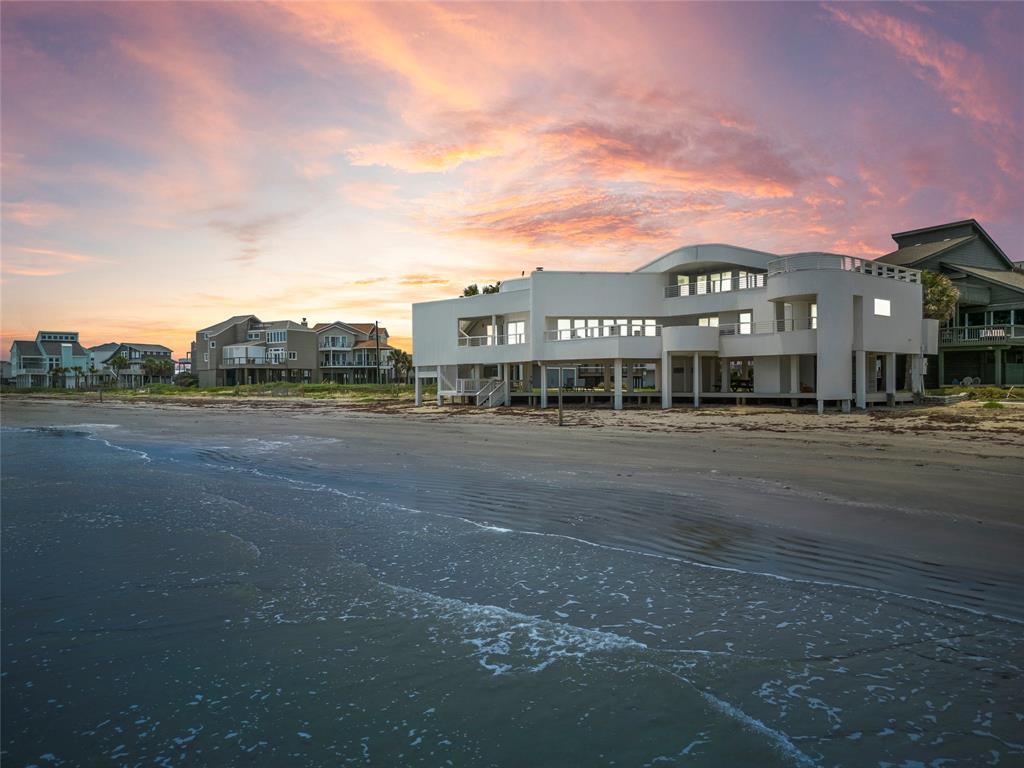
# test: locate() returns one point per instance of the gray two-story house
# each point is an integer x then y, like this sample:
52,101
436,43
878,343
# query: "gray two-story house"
245,350
985,338
354,353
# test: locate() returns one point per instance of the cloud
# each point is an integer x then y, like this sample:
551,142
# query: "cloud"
420,157
374,195
577,216
252,232
959,75
26,261
36,213
423,280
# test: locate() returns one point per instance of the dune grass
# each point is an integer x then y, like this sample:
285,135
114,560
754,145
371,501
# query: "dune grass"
982,392
364,393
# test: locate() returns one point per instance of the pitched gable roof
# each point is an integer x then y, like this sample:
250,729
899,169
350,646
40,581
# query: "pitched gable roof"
335,324
911,255
371,344
27,348
54,348
146,347
227,323
939,228
1008,278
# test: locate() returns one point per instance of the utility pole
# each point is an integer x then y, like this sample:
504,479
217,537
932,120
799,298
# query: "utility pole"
376,336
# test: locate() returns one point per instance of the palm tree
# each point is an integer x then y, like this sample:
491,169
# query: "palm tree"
79,371
56,374
151,368
117,364
402,363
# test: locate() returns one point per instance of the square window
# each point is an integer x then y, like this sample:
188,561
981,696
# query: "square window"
293,355
882,307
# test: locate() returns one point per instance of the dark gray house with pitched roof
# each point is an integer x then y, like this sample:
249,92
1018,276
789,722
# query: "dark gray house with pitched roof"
985,338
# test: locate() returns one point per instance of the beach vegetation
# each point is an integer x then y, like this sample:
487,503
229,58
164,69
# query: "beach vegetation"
476,290
940,296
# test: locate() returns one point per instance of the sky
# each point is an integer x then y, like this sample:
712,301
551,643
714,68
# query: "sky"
166,166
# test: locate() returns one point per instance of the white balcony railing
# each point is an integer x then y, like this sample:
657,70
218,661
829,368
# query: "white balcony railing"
846,263
981,334
229,361
701,287
762,327
493,340
601,332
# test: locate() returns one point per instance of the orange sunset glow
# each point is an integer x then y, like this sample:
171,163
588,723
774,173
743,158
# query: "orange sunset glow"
166,166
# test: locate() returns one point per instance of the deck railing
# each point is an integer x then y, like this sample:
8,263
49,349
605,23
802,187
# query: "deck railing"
253,361
980,334
762,327
701,287
493,340
601,332
806,261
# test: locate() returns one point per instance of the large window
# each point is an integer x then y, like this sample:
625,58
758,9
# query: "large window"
516,331
277,337
708,322
595,327
746,322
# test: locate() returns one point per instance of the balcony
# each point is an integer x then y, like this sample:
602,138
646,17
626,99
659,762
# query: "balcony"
765,327
814,261
492,340
628,330
982,334
230,362
715,286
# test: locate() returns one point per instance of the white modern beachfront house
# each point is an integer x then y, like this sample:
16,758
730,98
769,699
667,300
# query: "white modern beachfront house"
703,322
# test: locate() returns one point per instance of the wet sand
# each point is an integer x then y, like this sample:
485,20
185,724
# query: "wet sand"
285,583
938,484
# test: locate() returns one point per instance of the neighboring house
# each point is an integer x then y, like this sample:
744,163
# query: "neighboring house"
706,322
6,377
55,358
349,353
99,371
985,338
245,350
136,354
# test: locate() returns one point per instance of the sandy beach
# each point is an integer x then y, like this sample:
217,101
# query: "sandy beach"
940,485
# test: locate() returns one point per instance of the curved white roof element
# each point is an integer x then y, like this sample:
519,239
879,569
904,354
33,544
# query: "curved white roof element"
710,255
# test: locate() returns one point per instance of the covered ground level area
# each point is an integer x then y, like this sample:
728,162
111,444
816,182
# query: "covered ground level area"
675,379
992,365
233,377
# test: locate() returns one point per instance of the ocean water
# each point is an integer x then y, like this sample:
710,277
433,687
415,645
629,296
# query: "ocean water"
246,602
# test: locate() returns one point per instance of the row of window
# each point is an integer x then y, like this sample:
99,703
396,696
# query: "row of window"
58,337
571,327
993,317
721,282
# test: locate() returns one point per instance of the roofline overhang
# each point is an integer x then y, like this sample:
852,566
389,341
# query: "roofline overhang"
972,222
